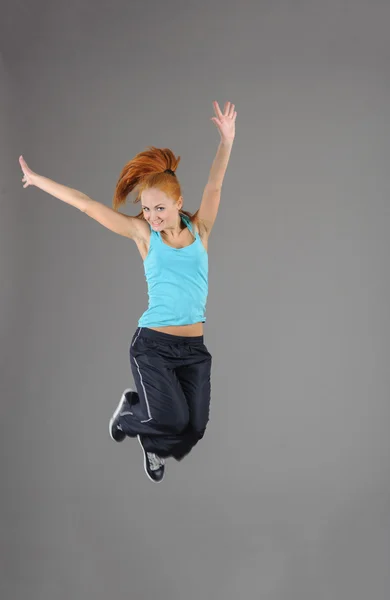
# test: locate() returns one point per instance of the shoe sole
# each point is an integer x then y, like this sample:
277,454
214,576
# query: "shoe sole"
145,467
116,413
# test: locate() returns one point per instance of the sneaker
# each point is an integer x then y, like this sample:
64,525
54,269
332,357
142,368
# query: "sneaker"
123,408
154,465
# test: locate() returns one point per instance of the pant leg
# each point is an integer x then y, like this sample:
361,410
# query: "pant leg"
161,413
195,381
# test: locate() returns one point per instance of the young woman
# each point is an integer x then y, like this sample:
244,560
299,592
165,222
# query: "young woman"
169,360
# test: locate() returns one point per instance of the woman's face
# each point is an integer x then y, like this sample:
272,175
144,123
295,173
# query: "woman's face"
160,210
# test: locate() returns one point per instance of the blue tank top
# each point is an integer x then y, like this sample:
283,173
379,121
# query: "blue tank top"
177,280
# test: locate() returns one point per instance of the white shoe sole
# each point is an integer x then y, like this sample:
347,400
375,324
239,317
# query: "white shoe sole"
116,413
145,467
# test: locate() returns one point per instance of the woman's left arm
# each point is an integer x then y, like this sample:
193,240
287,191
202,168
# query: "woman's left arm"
225,122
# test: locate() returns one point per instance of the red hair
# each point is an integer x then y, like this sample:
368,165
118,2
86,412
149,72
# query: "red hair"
145,171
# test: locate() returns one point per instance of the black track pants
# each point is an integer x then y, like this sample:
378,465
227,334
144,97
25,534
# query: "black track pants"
171,408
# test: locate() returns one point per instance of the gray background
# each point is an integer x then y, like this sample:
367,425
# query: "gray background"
288,495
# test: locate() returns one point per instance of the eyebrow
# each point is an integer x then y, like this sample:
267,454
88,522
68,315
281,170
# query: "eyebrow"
156,206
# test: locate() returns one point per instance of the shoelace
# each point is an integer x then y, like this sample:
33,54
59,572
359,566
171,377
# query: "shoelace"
155,461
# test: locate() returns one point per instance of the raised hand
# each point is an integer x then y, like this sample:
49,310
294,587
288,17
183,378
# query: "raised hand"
28,174
225,122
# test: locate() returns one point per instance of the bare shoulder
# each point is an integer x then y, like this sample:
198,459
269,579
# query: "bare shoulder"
141,236
199,226
139,230
201,229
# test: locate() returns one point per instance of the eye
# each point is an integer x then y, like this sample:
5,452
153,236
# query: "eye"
161,208
144,208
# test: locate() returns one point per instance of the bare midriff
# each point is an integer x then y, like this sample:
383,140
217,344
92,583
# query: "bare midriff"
182,330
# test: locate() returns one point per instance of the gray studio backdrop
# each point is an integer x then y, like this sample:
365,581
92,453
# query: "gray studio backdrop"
288,495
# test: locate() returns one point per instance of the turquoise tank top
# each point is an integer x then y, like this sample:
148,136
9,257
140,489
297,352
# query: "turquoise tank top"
177,280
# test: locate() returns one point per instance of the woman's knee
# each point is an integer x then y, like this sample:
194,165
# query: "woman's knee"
174,423
181,422
200,433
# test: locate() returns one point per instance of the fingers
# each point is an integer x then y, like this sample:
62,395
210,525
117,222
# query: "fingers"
25,169
217,110
228,111
23,164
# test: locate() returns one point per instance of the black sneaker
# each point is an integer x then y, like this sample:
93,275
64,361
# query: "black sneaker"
154,465
123,408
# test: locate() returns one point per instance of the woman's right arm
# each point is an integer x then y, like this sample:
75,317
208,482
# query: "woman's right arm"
111,219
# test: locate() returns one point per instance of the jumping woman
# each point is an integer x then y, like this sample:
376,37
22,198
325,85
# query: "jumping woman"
170,363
